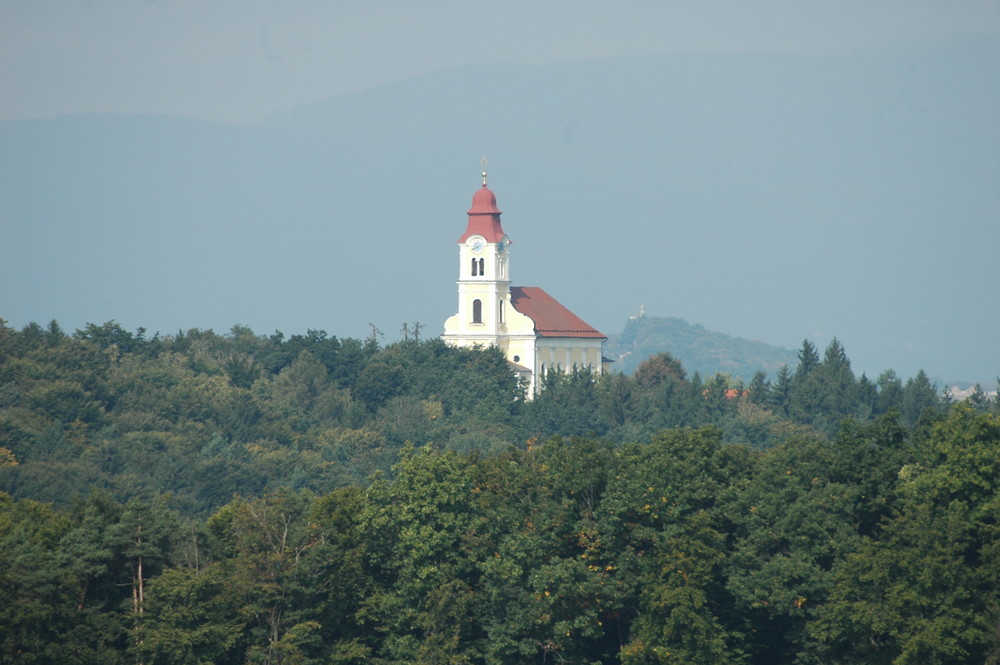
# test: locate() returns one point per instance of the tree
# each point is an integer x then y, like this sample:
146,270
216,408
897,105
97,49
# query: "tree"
805,395
91,556
663,533
141,539
111,334
37,597
658,368
865,395
837,388
416,525
924,589
978,399
346,587
379,382
8,338
276,566
808,359
547,584
192,618
615,394
919,395
782,392
568,405
806,508
759,389
890,392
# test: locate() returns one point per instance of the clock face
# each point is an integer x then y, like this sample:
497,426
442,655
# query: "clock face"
477,245
502,245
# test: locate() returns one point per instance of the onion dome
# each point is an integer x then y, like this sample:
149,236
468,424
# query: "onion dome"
484,216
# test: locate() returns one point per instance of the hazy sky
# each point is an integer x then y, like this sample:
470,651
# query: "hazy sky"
239,60
833,203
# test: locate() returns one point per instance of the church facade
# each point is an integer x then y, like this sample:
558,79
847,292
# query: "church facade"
534,331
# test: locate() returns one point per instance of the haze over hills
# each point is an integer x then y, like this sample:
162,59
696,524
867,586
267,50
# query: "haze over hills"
774,196
698,350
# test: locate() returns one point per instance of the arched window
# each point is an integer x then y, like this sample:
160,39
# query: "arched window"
500,310
482,266
475,267
477,311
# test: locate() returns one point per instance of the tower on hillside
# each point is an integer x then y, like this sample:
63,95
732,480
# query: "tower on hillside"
531,328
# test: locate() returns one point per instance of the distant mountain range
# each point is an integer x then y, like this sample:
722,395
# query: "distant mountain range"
698,349
843,195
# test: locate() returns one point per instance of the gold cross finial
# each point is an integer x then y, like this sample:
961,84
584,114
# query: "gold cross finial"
484,162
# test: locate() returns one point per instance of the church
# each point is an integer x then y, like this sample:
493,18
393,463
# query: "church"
534,331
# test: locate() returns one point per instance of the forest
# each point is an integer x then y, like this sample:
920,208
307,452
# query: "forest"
229,499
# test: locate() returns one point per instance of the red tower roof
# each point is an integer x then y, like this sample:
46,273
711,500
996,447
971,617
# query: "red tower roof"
484,217
551,317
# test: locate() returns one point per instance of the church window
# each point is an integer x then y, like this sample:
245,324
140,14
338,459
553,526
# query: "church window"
475,267
477,311
482,266
500,310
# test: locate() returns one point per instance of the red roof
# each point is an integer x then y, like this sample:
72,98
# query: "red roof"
484,217
550,317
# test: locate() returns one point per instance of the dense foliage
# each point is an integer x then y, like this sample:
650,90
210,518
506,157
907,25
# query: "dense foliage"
237,499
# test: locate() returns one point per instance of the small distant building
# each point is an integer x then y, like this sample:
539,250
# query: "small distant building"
535,332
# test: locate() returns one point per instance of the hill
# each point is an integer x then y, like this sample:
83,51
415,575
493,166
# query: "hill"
698,349
806,193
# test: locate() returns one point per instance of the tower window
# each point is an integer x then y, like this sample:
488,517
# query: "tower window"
500,310
482,266
475,267
477,311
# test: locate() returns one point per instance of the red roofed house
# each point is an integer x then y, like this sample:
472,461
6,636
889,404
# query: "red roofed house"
535,332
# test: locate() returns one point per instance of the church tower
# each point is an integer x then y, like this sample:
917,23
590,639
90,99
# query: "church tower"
534,331
483,281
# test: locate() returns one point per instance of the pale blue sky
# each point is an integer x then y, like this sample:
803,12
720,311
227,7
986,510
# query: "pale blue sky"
239,60
851,189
